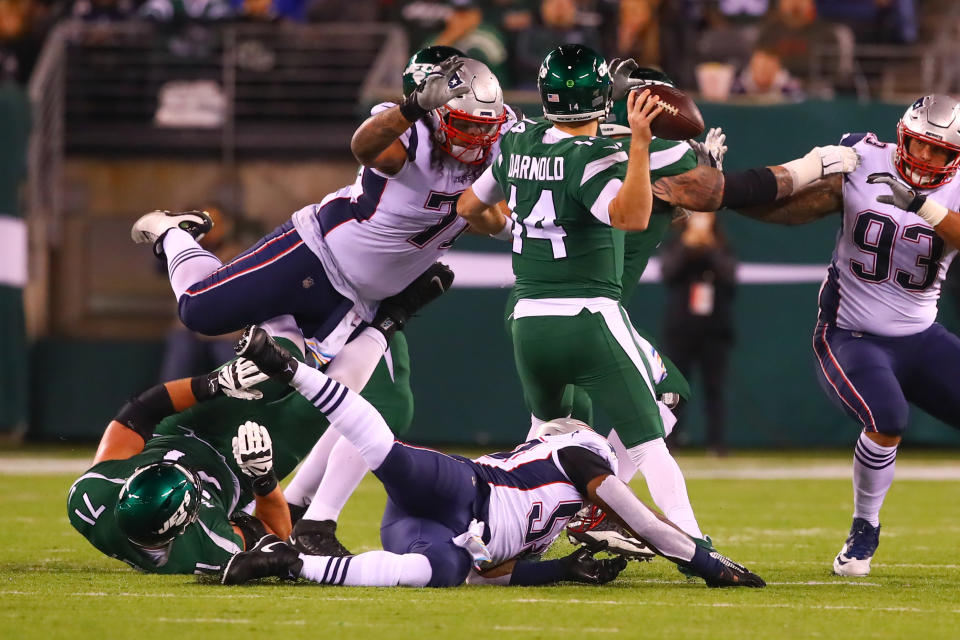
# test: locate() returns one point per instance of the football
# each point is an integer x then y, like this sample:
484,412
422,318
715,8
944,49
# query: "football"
680,118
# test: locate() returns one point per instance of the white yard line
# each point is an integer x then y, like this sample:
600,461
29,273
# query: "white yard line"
729,469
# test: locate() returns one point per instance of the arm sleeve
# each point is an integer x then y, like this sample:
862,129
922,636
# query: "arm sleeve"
582,465
486,187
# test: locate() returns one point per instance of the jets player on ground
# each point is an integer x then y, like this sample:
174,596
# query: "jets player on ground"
333,261
877,344
173,479
449,519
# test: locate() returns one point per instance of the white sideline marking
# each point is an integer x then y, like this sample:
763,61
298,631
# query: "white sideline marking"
728,470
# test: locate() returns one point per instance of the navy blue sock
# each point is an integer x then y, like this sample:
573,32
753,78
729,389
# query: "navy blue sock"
704,564
527,574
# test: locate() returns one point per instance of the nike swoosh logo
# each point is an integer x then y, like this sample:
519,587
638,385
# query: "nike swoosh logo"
268,548
842,562
439,283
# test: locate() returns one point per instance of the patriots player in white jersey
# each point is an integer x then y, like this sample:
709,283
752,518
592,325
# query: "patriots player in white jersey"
878,346
325,271
451,520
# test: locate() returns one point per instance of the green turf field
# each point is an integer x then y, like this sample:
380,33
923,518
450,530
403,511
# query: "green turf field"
785,516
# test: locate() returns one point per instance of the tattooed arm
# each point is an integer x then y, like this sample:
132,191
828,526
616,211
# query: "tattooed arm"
812,203
376,143
702,189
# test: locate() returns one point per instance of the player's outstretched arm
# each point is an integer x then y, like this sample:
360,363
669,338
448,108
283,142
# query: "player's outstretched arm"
818,200
661,535
709,189
127,433
944,221
376,143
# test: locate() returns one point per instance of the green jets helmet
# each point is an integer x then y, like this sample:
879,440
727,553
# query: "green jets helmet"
574,84
618,112
423,62
157,503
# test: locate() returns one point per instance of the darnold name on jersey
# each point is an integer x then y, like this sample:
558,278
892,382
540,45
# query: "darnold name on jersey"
534,168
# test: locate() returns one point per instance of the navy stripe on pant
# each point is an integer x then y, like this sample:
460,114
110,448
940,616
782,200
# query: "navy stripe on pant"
279,275
875,378
432,497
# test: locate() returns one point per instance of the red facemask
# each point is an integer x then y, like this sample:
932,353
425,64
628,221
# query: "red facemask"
468,138
918,173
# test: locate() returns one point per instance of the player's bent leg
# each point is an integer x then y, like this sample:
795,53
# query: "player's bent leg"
279,275
405,534
545,371
858,373
932,381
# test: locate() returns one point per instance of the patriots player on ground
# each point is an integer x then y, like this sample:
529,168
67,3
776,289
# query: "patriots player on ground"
327,268
449,519
174,480
877,344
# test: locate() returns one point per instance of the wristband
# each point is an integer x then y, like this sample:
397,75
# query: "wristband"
265,484
410,109
931,211
506,233
134,416
206,386
805,170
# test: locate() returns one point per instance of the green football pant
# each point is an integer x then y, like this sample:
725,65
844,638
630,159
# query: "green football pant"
596,353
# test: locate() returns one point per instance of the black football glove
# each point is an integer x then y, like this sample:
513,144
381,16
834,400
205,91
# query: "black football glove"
581,566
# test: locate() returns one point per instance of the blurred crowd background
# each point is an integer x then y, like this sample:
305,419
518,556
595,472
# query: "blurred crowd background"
110,108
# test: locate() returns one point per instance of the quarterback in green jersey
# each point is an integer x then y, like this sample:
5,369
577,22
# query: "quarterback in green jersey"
568,191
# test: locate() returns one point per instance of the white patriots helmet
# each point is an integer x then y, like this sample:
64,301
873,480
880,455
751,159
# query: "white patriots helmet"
585,436
934,119
467,126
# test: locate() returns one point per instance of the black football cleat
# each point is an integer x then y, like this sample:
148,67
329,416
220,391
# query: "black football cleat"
717,570
271,556
395,311
256,344
581,566
317,538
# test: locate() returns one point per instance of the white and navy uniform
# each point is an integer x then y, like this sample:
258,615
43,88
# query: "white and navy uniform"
877,341
524,497
377,235
361,244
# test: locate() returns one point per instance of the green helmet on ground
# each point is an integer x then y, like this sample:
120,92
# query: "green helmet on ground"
157,503
423,62
574,84
618,112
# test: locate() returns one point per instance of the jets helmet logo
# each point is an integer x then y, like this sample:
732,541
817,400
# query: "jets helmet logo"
180,516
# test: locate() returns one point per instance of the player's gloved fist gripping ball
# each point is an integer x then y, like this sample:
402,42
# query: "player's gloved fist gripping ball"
437,89
253,452
581,566
236,379
903,197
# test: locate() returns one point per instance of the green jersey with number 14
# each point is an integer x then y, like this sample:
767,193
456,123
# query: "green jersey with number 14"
557,187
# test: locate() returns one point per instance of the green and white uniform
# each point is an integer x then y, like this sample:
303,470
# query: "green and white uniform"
200,439
569,326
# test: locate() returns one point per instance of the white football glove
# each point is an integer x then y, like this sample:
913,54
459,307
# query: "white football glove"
710,152
253,450
237,377
821,162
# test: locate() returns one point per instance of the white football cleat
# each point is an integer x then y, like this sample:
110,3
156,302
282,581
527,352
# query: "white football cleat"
150,227
857,552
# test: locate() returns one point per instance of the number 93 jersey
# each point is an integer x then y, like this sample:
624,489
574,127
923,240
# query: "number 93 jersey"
888,264
377,235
